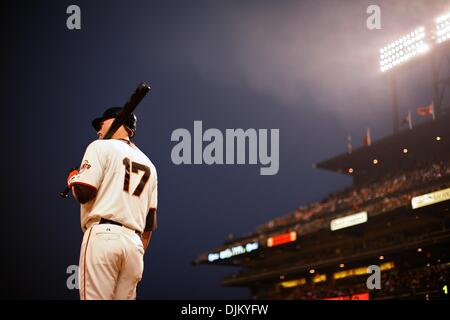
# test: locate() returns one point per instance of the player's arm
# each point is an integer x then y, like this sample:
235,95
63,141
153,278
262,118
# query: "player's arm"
146,236
84,183
151,221
150,226
83,193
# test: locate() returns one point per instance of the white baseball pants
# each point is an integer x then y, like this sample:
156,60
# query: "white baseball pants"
111,263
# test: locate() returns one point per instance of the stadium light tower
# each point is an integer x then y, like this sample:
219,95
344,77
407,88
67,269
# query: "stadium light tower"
442,32
397,53
440,35
416,43
403,49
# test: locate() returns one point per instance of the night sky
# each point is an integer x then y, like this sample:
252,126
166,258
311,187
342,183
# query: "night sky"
307,68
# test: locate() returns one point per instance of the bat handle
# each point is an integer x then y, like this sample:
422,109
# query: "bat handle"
64,194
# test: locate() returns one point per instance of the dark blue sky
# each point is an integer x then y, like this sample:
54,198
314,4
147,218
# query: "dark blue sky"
308,68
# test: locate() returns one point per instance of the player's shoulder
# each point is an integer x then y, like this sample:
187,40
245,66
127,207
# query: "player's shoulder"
152,165
99,143
147,159
94,144
153,170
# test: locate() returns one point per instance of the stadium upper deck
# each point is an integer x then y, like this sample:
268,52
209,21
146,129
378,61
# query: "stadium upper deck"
388,186
425,142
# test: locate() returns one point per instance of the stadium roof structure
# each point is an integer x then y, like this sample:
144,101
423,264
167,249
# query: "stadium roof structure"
426,138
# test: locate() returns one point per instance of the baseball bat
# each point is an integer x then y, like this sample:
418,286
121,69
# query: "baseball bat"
129,107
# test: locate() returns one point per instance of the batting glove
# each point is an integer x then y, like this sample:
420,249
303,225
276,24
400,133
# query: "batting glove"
71,176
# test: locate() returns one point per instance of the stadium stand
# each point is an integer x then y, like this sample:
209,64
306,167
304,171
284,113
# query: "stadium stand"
394,216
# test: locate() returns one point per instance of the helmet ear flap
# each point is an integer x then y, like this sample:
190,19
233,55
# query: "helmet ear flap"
131,132
131,124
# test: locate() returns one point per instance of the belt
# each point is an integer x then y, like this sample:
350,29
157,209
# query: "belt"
103,220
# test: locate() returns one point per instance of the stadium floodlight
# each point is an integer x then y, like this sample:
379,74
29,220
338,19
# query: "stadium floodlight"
403,49
442,32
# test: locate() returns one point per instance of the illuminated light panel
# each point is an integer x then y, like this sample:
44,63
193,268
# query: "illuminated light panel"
350,170
387,266
213,257
359,296
320,278
348,221
375,161
361,271
282,238
438,138
443,18
405,150
233,251
293,283
430,198
442,31
403,49
349,273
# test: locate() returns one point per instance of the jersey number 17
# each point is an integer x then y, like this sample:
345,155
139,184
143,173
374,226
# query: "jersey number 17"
135,168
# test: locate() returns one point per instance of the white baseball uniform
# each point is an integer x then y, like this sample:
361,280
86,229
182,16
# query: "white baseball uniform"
111,257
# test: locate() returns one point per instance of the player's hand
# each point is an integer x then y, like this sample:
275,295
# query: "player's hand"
73,172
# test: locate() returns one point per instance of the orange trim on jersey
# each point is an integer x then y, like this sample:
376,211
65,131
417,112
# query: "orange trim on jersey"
83,184
85,251
72,173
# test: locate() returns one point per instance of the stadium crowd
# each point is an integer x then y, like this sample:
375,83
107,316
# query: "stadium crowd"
395,283
382,195
374,198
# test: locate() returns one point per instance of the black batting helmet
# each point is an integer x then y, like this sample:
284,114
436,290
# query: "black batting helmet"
111,113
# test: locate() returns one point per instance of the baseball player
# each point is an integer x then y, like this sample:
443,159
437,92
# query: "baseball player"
116,186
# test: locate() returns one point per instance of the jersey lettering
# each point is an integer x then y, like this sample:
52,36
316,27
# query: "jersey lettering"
135,167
